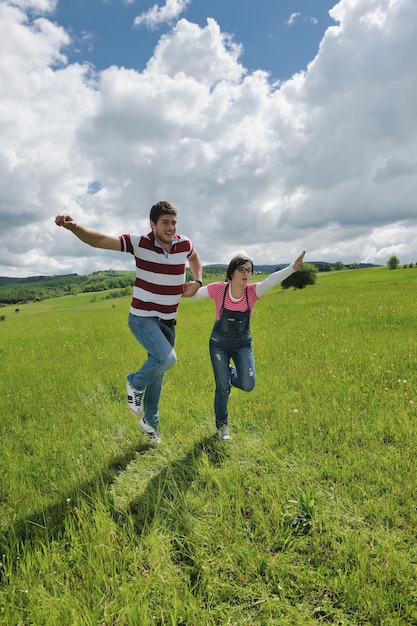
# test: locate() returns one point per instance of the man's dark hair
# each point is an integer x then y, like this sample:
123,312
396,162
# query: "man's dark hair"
161,208
236,262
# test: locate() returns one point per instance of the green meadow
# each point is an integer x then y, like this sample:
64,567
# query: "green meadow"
307,517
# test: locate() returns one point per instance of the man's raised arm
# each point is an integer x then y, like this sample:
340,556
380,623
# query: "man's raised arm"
91,237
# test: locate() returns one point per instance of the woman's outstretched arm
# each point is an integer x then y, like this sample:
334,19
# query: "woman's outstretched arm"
277,277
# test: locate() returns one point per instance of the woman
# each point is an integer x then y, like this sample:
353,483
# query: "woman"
231,338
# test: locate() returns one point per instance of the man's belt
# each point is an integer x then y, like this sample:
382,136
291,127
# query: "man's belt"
169,323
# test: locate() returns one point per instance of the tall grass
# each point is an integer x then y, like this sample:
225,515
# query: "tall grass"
308,516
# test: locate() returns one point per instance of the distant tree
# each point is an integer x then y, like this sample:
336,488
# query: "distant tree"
322,266
393,262
338,266
306,275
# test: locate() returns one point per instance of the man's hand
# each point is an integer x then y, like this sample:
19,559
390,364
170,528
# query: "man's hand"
190,289
66,221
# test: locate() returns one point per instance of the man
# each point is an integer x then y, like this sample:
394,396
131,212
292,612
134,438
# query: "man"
161,257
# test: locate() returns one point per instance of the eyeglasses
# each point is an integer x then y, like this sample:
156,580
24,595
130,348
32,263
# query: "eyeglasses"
244,270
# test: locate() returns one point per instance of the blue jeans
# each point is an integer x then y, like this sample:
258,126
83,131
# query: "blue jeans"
158,340
242,375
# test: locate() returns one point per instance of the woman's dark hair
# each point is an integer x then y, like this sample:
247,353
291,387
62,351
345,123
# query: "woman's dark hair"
236,262
161,208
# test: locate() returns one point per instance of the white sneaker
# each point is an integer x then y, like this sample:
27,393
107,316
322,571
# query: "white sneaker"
223,433
152,433
134,400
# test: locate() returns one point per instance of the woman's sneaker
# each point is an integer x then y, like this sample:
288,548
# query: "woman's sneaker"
223,433
134,400
152,433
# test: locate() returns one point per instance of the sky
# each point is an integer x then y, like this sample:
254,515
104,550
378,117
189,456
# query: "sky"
273,127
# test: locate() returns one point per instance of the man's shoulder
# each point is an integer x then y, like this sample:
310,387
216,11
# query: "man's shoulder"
181,238
182,243
136,237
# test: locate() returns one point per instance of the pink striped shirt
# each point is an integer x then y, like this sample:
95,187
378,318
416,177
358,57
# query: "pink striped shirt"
160,276
216,291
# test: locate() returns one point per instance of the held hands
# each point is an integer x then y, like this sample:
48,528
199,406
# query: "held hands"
297,263
190,289
66,221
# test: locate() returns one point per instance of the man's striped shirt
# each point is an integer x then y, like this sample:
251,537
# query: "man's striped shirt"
160,276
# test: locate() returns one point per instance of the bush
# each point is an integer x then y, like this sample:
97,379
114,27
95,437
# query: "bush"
393,262
306,275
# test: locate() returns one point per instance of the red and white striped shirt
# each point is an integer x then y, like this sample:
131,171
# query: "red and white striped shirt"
216,291
255,291
160,276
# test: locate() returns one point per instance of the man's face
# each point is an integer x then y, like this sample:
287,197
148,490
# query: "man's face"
165,229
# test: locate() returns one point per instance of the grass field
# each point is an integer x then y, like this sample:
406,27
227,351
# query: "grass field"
308,516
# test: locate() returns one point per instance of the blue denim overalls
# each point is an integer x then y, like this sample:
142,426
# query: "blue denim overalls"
231,339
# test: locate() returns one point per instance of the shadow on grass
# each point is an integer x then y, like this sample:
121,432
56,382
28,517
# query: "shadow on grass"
49,522
170,485
174,479
171,482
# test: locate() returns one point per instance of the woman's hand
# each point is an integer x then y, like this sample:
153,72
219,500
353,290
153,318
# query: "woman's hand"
190,289
297,263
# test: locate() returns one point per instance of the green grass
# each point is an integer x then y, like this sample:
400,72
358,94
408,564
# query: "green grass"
308,516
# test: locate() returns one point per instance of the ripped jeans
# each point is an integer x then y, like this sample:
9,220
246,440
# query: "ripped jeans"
242,375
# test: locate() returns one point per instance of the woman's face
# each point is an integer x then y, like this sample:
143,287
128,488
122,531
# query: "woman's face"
242,273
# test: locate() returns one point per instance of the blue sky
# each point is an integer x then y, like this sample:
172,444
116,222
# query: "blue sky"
278,36
273,127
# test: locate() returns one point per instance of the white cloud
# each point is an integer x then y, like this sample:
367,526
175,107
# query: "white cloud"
294,17
167,13
325,161
36,6
205,55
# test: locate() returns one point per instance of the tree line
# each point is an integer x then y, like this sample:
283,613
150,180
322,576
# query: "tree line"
15,291
37,288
